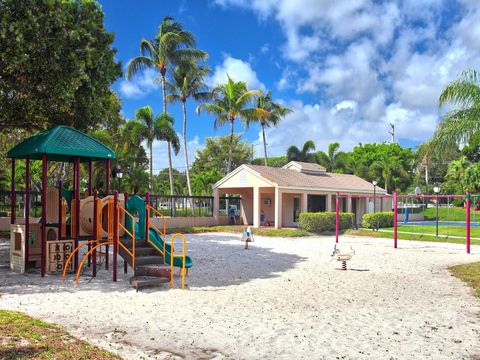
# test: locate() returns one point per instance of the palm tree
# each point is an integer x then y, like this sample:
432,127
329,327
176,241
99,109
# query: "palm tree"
272,114
230,103
460,124
306,154
166,132
172,45
332,158
387,165
188,82
145,127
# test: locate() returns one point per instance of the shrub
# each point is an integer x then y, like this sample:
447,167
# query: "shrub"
320,222
378,220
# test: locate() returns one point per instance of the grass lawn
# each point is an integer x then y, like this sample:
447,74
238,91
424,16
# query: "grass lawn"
389,235
470,273
446,230
451,214
23,337
240,229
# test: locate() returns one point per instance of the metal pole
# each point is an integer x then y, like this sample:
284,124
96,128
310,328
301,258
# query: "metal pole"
44,215
395,219
12,195
107,177
115,234
436,220
90,178
337,215
125,264
467,215
60,217
27,211
147,216
95,232
77,208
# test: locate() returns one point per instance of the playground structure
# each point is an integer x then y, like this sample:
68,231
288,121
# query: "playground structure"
424,200
69,225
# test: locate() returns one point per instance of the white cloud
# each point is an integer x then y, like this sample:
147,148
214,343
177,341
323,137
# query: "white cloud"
238,70
140,85
160,157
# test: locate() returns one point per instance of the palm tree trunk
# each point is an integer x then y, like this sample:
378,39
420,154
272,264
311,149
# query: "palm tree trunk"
170,168
164,94
185,151
151,166
230,147
264,145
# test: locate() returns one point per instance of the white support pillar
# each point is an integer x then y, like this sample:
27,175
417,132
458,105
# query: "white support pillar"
328,203
216,206
349,204
304,202
256,207
278,208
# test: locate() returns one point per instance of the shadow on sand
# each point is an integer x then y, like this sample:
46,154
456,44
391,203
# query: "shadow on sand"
219,260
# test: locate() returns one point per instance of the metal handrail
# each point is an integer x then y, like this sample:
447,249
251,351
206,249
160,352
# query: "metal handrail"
65,267
132,234
164,233
183,255
86,256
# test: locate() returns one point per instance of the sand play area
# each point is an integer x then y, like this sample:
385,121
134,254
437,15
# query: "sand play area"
281,299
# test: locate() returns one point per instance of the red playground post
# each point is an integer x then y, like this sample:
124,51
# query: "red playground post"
467,218
115,234
337,215
395,219
147,217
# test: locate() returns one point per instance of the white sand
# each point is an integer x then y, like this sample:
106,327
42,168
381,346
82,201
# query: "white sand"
282,299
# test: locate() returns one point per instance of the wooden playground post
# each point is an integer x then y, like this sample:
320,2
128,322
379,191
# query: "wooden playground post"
467,216
107,177
115,234
12,195
95,232
77,207
90,178
337,216
27,211
395,218
44,214
60,218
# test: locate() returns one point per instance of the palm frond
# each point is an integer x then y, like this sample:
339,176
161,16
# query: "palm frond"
137,65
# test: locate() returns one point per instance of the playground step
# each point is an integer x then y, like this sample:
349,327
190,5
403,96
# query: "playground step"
148,260
144,251
141,281
153,270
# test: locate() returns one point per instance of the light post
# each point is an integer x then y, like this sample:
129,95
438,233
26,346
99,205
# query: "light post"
436,190
374,182
119,175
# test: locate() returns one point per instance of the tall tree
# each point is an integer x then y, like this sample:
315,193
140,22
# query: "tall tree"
148,128
333,159
271,115
188,82
231,102
305,154
56,65
172,45
388,165
459,124
167,133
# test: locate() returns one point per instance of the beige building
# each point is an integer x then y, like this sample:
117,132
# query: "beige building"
276,196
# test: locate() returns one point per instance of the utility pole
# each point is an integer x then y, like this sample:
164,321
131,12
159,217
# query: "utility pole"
392,132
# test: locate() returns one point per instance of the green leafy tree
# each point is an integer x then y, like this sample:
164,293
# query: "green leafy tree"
166,132
388,165
333,160
231,101
188,82
137,180
214,156
306,154
459,124
203,182
56,65
278,161
269,114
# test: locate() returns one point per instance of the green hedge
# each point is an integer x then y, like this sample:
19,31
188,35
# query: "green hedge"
319,222
378,220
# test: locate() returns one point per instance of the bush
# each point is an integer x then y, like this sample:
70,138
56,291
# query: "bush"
378,220
320,222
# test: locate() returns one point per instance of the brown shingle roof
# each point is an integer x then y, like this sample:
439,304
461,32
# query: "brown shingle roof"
292,178
307,166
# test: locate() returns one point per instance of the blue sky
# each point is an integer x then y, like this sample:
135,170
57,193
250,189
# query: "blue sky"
346,68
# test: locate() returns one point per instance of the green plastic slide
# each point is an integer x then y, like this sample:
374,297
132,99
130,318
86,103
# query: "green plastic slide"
156,238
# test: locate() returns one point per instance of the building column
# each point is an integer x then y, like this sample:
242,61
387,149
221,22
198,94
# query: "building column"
349,204
278,208
328,203
216,206
256,207
304,202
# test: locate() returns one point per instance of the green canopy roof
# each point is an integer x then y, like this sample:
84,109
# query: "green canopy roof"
62,143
